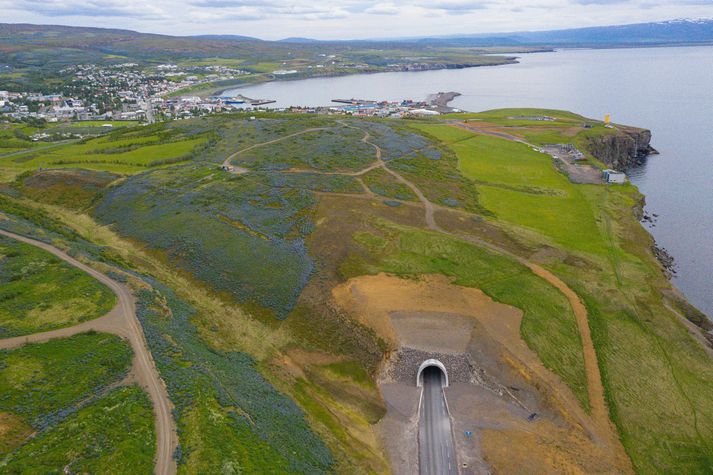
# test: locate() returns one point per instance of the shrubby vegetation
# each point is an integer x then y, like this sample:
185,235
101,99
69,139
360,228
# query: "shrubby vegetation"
424,161
113,435
42,384
240,235
382,183
30,221
69,188
398,141
337,148
235,132
228,415
314,182
40,292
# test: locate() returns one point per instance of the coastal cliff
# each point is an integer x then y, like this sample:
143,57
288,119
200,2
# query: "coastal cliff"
622,150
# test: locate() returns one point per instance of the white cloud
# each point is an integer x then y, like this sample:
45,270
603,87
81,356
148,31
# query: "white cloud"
274,19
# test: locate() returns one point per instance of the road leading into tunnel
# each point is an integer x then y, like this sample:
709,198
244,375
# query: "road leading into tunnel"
436,449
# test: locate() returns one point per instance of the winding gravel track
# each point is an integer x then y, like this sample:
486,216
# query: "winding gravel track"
121,321
239,170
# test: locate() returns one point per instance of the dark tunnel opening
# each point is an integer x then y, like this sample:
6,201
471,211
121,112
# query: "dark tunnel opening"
433,375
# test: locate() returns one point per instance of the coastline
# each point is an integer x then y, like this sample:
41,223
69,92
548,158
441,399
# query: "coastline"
698,323
218,91
511,58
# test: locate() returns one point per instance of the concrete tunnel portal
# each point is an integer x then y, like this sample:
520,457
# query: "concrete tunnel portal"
434,364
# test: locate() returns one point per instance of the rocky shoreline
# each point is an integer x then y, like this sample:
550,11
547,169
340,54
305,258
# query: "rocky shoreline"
628,150
661,253
624,150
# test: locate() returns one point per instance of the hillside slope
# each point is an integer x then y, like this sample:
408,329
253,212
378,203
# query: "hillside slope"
288,302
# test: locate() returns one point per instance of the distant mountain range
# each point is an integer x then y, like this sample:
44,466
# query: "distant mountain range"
51,47
682,31
18,36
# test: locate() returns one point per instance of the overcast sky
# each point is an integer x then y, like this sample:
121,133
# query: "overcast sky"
347,19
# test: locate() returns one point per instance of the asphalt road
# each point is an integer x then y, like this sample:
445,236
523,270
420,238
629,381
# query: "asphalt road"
436,449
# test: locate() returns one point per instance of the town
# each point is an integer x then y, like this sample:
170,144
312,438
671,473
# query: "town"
117,92
125,92
166,91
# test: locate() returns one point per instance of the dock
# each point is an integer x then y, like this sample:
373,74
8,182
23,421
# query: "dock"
355,102
240,99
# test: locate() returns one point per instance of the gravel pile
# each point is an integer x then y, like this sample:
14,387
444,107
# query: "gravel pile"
405,363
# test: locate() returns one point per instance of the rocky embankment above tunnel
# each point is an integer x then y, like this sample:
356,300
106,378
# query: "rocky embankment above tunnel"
622,150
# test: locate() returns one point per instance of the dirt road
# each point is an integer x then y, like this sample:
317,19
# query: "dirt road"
486,129
122,321
239,170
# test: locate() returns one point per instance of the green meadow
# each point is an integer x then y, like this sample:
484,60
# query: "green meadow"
40,292
41,384
126,150
113,435
521,186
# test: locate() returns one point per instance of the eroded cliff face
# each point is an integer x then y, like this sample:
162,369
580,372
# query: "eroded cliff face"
622,150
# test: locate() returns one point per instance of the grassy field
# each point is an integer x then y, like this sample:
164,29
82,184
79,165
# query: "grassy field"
16,138
39,292
125,150
522,187
113,435
653,370
42,384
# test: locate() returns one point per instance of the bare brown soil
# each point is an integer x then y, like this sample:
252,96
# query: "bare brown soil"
13,431
562,438
373,300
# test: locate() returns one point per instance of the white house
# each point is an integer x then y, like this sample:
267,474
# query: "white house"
613,176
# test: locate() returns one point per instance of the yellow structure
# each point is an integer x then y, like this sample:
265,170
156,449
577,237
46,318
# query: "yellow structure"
607,119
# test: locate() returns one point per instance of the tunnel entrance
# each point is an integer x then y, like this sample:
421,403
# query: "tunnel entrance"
432,369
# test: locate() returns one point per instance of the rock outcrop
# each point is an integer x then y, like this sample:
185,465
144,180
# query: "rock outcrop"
623,150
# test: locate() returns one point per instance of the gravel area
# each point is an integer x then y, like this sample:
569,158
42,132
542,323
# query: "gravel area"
404,366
